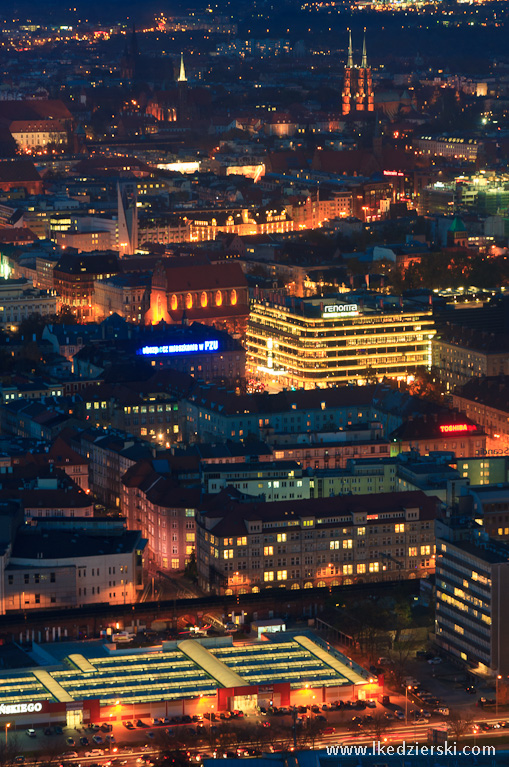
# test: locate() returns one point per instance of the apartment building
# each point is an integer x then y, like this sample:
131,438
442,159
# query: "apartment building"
245,547
155,503
486,401
18,300
60,563
461,353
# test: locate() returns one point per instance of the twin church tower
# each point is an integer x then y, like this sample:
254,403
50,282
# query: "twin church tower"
358,95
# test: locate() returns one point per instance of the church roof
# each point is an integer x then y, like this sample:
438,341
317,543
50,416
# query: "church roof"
457,225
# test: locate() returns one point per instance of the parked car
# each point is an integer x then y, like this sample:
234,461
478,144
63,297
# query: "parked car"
98,740
31,732
433,661
84,741
129,725
70,741
399,715
58,730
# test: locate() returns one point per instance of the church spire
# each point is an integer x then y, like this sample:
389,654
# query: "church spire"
182,74
349,63
364,63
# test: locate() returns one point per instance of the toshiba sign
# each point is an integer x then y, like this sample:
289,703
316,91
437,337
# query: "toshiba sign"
457,428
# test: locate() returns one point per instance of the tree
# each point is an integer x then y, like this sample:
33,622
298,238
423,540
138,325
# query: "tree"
9,751
378,727
191,568
459,723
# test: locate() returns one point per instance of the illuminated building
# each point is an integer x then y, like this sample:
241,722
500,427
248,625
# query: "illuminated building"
19,300
199,350
472,579
357,94
327,341
68,562
448,431
486,401
185,679
461,353
154,502
74,278
449,147
213,294
33,135
124,294
244,547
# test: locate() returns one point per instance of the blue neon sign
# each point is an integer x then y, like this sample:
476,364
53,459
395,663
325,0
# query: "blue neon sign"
204,346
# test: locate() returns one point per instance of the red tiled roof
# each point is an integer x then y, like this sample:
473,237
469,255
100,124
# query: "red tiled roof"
205,276
18,170
34,109
36,126
13,234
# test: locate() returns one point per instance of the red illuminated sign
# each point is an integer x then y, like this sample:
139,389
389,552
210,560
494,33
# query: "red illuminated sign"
453,428
393,173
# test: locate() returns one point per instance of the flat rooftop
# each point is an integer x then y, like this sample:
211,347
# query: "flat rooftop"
188,670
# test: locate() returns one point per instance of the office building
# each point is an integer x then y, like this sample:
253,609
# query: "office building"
327,341
472,579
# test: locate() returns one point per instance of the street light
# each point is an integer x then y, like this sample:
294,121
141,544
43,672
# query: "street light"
8,724
496,694
407,688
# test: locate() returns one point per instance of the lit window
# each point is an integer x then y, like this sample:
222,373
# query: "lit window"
233,298
399,528
219,298
374,567
268,551
203,299
174,302
348,543
361,568
281,537
268,575
189,301
282,575
228,554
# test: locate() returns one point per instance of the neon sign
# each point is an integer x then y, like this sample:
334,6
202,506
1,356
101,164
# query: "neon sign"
20,708
204,346
336,310
393,173
453,428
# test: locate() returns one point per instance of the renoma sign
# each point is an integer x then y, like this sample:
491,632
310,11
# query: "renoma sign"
336,310
20,708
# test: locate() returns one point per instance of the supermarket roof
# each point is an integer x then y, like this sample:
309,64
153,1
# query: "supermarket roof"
187,669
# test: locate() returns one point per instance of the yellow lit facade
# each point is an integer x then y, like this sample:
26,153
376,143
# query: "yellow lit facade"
323,342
